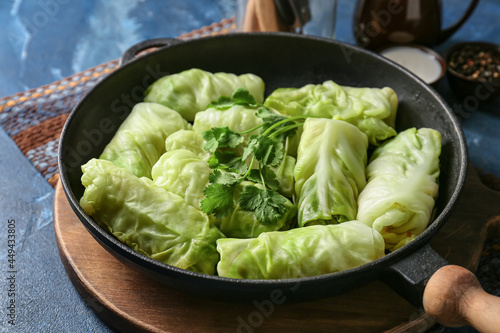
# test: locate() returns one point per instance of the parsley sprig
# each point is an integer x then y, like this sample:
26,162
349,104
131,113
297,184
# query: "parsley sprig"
241,96
267,149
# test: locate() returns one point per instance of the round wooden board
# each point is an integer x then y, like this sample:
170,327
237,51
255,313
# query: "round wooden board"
131,302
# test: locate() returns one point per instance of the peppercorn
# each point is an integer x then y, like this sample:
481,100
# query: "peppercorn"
476,62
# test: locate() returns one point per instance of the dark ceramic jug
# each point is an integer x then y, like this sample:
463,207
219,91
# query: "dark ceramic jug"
380,22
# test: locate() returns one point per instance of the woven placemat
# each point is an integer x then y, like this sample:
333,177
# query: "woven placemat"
34,118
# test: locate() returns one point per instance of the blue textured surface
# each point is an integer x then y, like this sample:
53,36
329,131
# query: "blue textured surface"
44,41
48,40
45,300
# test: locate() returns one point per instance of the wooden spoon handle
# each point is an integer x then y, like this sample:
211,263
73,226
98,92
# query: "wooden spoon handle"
454,297
261,15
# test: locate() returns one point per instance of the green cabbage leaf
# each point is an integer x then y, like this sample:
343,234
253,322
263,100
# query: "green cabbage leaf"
238,118
399,197
300,252
191,91
149,219
372,110
189,140
330,171
140,140
183,173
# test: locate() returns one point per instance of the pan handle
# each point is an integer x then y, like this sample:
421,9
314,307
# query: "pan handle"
449,293
454,297
408,277
135,49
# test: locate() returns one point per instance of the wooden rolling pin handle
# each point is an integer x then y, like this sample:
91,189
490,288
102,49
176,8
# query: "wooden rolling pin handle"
454,297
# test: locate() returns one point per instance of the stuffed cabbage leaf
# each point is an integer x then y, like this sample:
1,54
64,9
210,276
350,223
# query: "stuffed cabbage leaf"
192,90
140,140
149,219
398,199
244,224
300,252
240,119
372,110
237,118
189,140
183,173
330,171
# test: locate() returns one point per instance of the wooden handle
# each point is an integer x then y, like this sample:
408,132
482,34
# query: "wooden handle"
454,297
261,15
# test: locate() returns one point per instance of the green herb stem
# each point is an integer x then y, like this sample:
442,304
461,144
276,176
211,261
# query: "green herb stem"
249,168
251,130
279,123
262,177
282,165
284,129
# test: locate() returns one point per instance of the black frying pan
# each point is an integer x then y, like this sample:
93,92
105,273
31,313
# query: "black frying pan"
281,60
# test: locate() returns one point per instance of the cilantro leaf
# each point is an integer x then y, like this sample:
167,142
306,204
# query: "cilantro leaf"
268,205
241,96
250,198
266,150
249,149
220,159
238,165
220,137
227,160
270,118
278,150
266,173
223,103
225,178
254,176
219,199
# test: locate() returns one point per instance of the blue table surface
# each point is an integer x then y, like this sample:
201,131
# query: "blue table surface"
44,41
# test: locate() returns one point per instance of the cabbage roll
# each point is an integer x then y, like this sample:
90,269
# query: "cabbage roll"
330,171
140,140
189,140
238,118
372,110
149,219
183,173
243,223
229,251
193,90
398,199
241,119
301,252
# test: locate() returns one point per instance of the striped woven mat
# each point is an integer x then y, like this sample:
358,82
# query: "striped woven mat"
34,118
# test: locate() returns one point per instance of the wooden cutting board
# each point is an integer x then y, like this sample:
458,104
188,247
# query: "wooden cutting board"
131,302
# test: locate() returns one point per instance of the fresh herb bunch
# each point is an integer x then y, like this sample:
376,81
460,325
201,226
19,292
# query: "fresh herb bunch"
267,149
